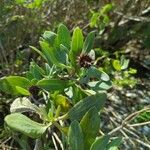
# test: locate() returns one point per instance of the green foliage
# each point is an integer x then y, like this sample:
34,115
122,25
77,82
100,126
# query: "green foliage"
142,117
31,5
71,86
117,68
100,19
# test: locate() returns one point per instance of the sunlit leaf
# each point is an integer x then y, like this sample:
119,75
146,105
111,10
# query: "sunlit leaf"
22,91
76,45
23,105
25,125
116,64
10,83
62,101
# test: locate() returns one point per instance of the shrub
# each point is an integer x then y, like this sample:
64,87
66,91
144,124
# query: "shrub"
63,95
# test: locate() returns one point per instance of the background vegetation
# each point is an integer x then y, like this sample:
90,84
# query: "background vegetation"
122,50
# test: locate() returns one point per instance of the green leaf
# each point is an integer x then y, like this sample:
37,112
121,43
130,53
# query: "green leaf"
94,19
63,36
53,84
124,63
52,55
89,41
6,87
107,8
36,71
101,79
79,110
22,91
62,54
18,81
116,64
47,51
76,45
98,85
114,144
10,85
93,72
132,71
39,52
104,76
25,125
23,105
63,48
75,136
61,101
19,1
49,36
78,93
90,124
100,143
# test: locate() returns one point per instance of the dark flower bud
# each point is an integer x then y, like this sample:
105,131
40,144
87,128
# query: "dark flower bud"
34,90
85,61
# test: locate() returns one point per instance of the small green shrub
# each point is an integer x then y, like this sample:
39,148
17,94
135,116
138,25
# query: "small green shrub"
65,93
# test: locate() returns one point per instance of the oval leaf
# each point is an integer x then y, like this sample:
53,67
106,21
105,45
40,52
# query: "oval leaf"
49,36
53,84
76,45
117,65
79,110
100,143
90,124
18,81
89,41
23,105
75,136
114,144
25,125
14,84
52,54
64,36
22,91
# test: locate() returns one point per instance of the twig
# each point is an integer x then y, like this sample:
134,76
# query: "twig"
54,142
38,144
5,141
3,52
142,143
134,18
132,133
128,119
133,115
139,124
58,140
115,130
